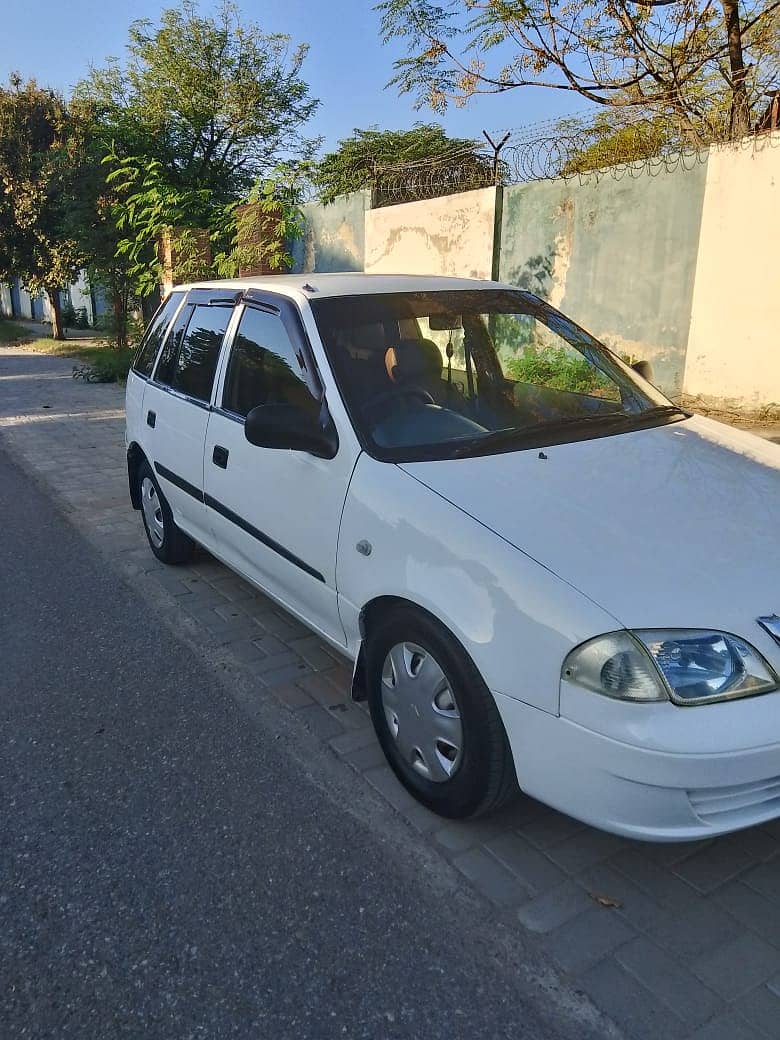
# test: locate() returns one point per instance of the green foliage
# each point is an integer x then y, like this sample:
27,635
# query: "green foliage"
609,145
214,101
74,317
106,366
133,326
372,158
701,67
34,176
146,208
196,116
558,368
11,332
261,229
89,213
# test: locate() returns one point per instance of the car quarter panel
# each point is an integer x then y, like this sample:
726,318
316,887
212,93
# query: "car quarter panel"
134,401
516,619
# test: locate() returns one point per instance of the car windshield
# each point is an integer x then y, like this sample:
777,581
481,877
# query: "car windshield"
469,372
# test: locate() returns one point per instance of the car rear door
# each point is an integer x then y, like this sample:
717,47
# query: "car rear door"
177,404
275,513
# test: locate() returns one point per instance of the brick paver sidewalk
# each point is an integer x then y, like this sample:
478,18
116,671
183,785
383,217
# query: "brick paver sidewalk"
673,942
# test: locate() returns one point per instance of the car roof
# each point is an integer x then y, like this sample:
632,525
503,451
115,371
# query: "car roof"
317,286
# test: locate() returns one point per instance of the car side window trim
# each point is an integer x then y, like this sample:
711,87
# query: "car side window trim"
283,307
205,405
155,378
287,312
174,317
195,358
224,357
201,298
227,414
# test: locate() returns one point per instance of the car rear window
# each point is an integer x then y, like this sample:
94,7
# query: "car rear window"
155,334
192,370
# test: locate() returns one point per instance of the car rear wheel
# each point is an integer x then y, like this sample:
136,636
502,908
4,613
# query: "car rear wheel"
437,722
167,541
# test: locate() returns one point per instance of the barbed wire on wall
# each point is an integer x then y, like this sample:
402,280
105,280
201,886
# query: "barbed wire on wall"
618,144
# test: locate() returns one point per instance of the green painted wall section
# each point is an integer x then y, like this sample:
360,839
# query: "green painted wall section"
334,238
617,255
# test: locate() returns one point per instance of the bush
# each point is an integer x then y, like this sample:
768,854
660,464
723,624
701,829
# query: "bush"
10,332
74,317
556,368
107,366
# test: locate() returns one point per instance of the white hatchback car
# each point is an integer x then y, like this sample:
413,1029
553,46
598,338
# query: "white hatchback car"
547,574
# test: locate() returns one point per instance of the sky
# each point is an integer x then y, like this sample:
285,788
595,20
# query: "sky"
347,67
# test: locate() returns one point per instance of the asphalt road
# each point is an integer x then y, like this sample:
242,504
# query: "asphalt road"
169,868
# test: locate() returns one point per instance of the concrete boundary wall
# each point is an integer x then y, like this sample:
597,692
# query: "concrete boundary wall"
733,358
452,235
677,266
334,235
617,255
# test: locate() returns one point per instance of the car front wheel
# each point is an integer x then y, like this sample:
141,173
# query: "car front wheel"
437,722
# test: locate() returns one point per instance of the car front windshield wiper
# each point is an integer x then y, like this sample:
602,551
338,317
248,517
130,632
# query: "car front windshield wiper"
662,411
529,436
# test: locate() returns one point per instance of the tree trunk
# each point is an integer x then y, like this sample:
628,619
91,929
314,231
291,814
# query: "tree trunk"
739,120
149,305
56,313
120,318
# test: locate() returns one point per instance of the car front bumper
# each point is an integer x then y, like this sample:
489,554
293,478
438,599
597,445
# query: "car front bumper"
674,774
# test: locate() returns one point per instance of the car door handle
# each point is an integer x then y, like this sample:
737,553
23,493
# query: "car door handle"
219,456
151,418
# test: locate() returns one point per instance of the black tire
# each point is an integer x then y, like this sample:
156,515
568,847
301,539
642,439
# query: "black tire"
176,547
484,778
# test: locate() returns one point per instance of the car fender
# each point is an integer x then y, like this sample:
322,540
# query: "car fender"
514,617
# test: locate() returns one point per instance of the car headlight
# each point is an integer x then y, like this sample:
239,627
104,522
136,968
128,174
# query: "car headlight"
704,666
687,666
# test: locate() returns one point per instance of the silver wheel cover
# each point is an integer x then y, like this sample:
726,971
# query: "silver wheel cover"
421,712
150,503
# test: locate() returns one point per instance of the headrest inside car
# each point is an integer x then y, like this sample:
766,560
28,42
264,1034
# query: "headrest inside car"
412,360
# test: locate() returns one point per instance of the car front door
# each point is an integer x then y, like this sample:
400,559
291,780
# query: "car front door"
275,513
176,408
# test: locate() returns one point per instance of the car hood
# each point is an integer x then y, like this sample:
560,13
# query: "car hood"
675,526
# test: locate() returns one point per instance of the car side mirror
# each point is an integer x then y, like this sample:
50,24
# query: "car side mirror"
285,426
643,369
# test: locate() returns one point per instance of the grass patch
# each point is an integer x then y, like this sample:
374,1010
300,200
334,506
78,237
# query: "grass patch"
557,368
109,365
99,362
10,331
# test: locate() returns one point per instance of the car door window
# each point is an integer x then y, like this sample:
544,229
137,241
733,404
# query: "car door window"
196,360
189,358
155,334
265,367
170,350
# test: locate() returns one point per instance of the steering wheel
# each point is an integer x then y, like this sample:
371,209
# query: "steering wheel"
379,401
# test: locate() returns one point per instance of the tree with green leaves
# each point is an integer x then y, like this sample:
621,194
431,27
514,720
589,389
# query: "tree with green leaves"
702,66
260,229
144,208
603,143
403,165
215,101
200,112
34,176
90,217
